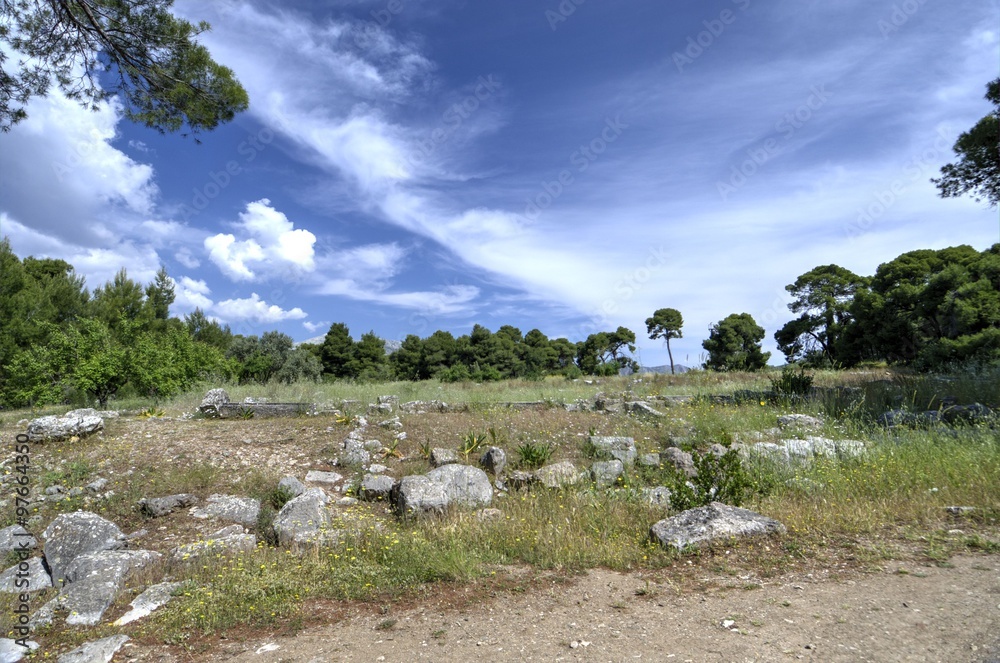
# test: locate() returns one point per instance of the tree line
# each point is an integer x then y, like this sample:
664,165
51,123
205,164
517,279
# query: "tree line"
929,309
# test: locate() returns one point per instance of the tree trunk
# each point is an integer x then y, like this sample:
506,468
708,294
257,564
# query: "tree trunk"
671,355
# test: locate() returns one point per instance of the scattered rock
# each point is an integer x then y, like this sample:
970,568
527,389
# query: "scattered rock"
97,485
391,424
15,538
440,456
493,460
620,448
243,510
150,600
11,652
98,651
291,486
644,408
213,400
162,506
359,457
93,581
519,479
680,460
606,472
708,523
464,485
304,520
968,414
375,487
31,570
71,535
649,460
558,475
76,423
660,496
229,540
326,478
416,494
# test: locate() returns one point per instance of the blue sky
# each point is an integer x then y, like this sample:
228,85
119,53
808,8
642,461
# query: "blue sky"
407,166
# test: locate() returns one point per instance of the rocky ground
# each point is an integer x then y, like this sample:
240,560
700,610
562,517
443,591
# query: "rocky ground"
903,609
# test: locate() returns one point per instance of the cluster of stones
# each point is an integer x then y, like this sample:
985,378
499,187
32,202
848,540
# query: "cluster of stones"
217,404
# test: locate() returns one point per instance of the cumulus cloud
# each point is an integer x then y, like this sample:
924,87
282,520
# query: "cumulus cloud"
190,294
255,309
63,177
273,246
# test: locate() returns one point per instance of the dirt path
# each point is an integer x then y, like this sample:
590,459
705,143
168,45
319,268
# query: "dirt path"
949,614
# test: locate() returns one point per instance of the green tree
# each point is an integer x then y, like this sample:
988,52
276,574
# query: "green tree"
538,355
205,330
603,353
733,344
440,352
665,323
369,357
300,364
120,299
406,361
99,360
165,79
160,294
338,351
823,296
930,307
978,168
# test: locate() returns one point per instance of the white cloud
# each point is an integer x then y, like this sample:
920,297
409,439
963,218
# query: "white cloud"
274,246
190,294
313,327
184,257
256,309
96,265
63,177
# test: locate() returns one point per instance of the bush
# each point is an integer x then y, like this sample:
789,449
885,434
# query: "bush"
792,383
532,455
720,479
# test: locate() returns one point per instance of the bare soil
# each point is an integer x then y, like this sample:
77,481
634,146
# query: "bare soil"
948,614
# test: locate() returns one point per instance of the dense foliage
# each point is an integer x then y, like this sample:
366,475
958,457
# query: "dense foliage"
930,309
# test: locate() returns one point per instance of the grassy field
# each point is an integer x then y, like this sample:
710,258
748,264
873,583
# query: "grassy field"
886,504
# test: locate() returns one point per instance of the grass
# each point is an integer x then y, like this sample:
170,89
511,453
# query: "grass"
887,504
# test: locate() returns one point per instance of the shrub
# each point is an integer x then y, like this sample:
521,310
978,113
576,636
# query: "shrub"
532,455
792,383
721,479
